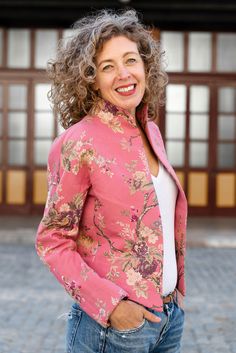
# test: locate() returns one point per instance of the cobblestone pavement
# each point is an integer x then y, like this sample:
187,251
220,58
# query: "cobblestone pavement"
34,306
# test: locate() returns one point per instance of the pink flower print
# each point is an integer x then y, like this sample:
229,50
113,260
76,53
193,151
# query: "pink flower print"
140,249
134,214
146,268
73,289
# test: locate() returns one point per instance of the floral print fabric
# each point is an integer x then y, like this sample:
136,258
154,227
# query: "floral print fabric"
101,233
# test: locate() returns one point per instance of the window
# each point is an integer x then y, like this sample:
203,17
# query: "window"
1,46
200,52
44,124
197,49
45,47
175,124
18,54
173,45
226,52
226,132
17,124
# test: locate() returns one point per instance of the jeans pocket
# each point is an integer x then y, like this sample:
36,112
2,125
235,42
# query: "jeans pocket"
73,322
180,307
129,331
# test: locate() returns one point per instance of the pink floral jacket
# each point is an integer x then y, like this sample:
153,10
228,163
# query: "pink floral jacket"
101,233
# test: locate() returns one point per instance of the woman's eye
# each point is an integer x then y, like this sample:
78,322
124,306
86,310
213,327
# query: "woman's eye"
131,60
107,68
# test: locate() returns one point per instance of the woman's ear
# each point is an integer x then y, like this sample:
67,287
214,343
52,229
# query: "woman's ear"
96,89
95,86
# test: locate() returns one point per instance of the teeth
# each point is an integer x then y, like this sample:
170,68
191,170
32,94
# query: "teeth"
125,89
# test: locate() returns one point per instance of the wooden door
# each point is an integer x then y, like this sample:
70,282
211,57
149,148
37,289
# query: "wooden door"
200,137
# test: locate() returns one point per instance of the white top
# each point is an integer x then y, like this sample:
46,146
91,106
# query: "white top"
166,191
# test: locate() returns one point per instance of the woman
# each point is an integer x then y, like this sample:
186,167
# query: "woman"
113,231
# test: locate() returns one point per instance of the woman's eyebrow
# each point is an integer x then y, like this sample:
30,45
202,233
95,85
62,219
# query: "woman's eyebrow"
111,60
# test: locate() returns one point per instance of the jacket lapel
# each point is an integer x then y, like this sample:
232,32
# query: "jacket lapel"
156,142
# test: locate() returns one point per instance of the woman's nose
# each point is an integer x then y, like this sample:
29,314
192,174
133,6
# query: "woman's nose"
123,72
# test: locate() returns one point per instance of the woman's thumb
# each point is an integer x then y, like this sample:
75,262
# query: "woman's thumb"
151,317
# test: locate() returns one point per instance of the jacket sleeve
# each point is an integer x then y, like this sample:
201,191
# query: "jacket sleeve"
58,231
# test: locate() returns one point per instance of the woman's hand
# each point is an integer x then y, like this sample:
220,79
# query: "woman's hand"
128,315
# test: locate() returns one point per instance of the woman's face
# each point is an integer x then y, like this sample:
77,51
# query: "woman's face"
120,73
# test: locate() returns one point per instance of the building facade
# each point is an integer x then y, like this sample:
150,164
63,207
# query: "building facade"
198,121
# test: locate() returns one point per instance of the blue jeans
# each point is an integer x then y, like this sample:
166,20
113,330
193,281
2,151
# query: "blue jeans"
85,335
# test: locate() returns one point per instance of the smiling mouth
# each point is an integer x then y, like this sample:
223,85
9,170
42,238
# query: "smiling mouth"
126,89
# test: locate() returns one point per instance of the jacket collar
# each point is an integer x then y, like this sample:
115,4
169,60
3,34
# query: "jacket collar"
103,106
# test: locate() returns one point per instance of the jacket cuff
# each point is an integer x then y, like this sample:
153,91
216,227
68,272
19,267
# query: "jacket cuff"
104,299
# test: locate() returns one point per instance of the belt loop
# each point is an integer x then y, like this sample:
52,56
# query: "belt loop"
170,297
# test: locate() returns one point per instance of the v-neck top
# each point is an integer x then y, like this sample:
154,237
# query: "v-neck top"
166,192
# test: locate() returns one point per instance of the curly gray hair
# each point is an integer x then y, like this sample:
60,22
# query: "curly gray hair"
73,72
